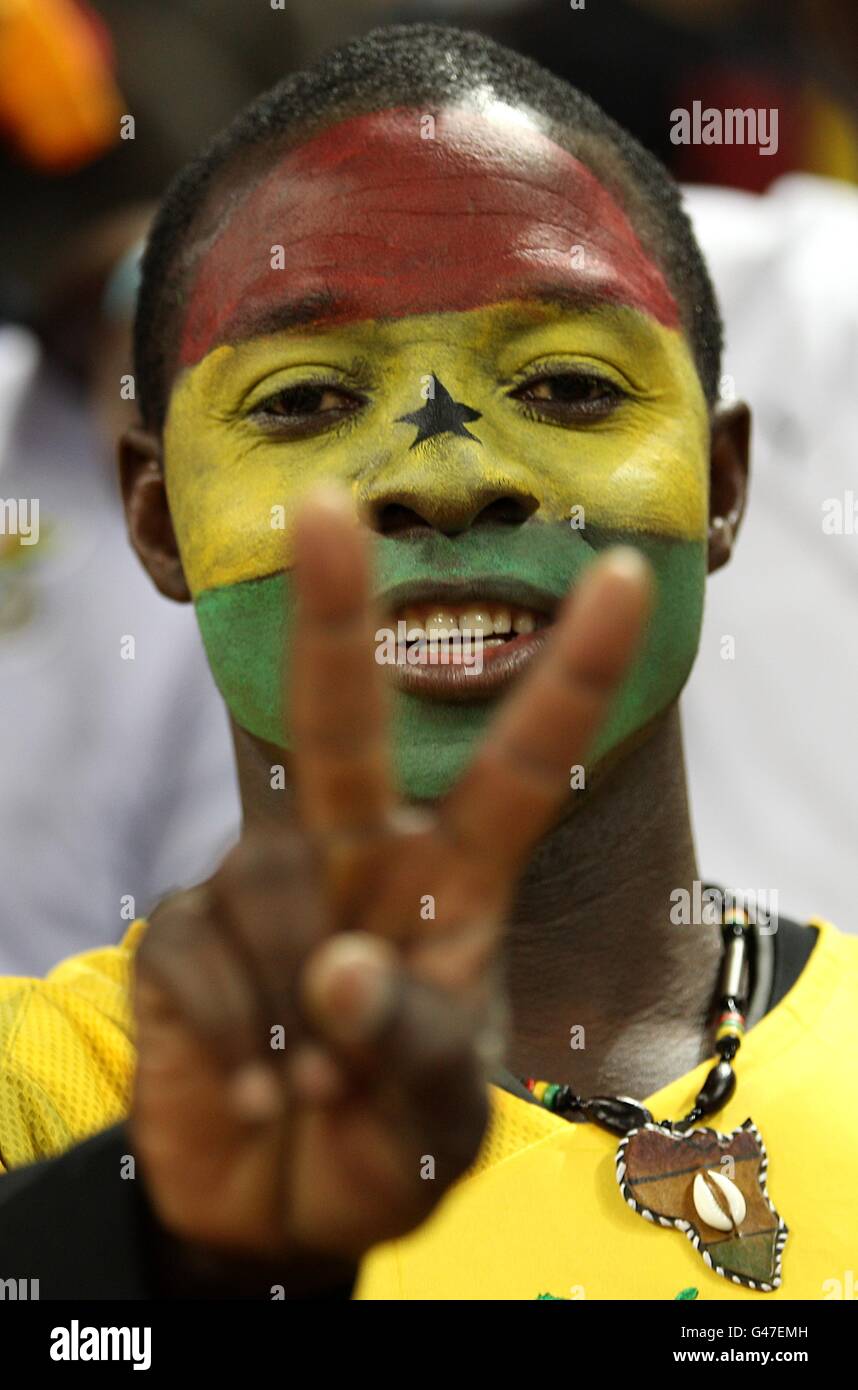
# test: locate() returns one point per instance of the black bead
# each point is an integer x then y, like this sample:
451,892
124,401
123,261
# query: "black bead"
717,1088
566,1101
616,1113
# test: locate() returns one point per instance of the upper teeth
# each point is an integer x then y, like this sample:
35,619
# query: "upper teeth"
434,620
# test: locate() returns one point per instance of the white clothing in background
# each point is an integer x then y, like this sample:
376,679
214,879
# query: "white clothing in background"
771,734
116,775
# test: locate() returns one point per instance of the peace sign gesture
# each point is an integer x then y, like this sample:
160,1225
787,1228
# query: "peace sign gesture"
307,1035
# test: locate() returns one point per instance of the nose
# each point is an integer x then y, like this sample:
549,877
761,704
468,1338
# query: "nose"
438,495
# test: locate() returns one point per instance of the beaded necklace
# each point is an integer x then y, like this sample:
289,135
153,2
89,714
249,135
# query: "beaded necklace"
708,1185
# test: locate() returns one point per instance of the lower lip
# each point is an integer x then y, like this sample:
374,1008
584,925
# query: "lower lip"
461,684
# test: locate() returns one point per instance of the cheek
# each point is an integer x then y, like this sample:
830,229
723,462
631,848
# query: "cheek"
664,664
246,630
233,505
234,502
643,481
624,477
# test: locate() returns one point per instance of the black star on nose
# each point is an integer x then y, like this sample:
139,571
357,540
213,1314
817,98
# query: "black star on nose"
441,415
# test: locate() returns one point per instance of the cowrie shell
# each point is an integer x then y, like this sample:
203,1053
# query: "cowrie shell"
708,1209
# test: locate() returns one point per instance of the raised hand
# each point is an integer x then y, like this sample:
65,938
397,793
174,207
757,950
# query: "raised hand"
313,1052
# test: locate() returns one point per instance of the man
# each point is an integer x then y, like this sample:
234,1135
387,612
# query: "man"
439,280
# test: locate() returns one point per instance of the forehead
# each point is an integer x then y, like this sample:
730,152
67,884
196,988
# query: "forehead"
397,213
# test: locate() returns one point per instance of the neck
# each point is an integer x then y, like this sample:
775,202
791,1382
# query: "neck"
590,945
592,948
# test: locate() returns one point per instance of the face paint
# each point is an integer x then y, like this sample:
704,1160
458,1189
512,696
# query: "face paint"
440,415
439,429
369,220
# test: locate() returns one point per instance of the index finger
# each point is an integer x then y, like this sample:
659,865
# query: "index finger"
339,726
519,778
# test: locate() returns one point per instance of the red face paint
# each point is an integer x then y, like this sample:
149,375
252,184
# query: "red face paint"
376,221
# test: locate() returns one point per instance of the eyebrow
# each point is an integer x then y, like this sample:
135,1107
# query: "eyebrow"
256,322
290,313
571,297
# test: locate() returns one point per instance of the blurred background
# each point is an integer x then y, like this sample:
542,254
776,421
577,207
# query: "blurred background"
116,779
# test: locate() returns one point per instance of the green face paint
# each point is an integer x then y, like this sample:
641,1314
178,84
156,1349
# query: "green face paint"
246,628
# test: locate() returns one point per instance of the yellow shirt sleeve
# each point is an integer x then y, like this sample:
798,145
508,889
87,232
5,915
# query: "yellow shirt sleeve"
66,1052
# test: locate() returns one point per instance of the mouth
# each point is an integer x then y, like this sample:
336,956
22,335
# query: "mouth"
463,642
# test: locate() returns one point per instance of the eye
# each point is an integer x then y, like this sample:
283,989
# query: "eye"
306,408
571,396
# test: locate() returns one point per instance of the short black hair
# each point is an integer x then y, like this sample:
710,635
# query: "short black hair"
418,65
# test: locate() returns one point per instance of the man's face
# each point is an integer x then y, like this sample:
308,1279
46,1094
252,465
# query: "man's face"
458,323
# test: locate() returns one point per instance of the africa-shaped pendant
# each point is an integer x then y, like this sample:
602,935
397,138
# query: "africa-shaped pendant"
712,1187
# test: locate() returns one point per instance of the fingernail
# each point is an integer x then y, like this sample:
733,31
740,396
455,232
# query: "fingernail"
330,496
254,1092
626,562
349,986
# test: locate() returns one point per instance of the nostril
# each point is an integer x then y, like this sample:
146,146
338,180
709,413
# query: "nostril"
508,511
446,514
394,519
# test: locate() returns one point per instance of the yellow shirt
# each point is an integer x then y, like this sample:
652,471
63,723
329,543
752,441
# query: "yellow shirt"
540,1212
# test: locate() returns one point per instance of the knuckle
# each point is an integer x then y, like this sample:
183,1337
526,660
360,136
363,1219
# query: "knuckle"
176,924
265,861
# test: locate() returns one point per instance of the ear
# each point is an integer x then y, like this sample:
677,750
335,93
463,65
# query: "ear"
729,463
150,526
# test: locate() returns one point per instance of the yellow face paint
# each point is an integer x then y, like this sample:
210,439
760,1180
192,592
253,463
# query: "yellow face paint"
234,485
638,472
